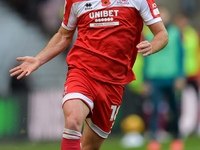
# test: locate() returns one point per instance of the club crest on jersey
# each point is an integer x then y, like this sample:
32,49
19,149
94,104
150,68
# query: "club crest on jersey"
105,2
123,2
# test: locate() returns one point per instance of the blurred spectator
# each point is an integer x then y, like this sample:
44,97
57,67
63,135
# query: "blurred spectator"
191,43
164,75
189,7
44,12
28,8
49,15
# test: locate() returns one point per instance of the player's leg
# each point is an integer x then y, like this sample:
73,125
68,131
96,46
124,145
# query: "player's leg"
75,112
90,140
98,126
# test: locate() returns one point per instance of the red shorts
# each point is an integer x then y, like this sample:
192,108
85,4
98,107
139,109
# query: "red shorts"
103,99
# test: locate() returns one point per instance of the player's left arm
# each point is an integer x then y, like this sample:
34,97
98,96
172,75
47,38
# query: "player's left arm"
159,41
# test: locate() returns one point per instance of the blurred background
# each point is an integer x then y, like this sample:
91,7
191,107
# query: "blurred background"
158,106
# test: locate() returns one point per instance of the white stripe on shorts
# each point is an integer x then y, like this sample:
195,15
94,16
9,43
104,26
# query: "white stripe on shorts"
96,129
78,96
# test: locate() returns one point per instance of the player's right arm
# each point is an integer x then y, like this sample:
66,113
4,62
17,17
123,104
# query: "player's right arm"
58,43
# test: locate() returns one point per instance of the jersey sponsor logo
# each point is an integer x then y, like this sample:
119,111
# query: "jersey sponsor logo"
104,18
103,13
123,2
88,6
105,2
104,24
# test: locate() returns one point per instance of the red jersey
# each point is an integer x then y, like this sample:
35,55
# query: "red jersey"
108,32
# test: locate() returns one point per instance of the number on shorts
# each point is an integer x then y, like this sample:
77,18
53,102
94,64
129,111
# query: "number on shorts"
114,112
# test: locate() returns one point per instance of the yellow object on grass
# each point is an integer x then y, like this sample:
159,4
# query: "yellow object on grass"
132,123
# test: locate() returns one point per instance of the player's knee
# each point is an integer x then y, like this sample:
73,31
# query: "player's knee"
73,123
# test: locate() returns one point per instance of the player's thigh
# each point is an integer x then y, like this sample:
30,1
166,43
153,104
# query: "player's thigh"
75,112
90,140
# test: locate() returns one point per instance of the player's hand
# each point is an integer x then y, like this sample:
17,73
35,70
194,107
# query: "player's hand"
145,47
26,68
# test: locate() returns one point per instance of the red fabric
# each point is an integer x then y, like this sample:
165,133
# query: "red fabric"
107,53
105,97
70,144
107,36
153,8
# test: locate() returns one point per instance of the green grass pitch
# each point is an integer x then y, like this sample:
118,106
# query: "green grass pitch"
112,143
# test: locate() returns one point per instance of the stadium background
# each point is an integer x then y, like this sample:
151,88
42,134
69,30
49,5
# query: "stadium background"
30,109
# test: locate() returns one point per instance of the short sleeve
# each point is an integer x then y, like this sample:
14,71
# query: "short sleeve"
149,12
69,17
